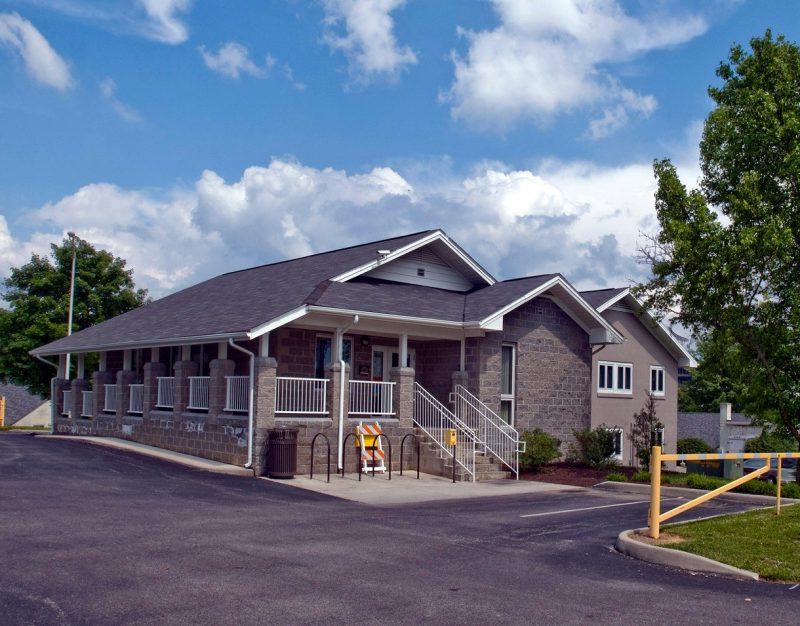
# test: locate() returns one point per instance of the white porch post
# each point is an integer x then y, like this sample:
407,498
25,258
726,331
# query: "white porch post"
127,360
186,353
463,355
403,360
263,345
222,350
81,366
102,366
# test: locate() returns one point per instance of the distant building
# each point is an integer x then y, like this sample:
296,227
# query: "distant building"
24,408
725,430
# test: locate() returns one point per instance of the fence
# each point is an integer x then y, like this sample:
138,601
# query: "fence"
656,517
86,408
136,403
66,407
371,398
110,399
198,392
237,393
166,392
308,396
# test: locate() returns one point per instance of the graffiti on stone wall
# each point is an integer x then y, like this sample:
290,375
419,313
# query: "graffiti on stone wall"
165,424
127,429
193,427
239,432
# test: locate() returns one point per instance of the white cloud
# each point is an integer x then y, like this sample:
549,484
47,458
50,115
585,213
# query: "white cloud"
42,63
163,20
108,89
233,59
364,31
579,218
549,58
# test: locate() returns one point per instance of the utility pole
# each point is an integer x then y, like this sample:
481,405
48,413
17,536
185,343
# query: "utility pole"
71,298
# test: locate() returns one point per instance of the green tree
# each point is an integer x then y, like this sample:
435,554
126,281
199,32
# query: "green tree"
37,294
645,424
725,260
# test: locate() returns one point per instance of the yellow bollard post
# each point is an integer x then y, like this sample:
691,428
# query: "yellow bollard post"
778,503
655,491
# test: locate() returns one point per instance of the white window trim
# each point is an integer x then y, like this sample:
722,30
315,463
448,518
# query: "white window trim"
614,390
510,397
663,392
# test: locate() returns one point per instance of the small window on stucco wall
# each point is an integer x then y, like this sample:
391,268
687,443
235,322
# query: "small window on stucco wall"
657,380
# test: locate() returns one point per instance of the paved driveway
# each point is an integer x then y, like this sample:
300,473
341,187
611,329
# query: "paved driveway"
91,535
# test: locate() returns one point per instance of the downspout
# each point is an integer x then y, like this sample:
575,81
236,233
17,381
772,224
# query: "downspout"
340,332
250,395
52,411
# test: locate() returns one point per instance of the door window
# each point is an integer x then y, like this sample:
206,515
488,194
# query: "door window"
324,351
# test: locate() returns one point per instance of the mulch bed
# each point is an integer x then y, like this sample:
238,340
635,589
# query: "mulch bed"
577,475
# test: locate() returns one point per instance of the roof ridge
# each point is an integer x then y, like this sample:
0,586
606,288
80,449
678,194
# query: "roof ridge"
602,289
511,280
308,256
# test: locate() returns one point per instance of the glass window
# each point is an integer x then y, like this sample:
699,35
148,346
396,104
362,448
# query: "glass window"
507,410
614,377
618,442
657,380
506,381
323,355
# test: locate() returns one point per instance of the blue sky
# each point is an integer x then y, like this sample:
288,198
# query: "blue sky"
193,138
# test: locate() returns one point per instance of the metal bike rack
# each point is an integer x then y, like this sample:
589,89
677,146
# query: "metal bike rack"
313,443
402,445
344,455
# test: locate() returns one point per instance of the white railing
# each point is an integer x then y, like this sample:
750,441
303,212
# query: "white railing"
307,396
198,392
434,419
110,403
237,393
66,407
371,398
136,404
494,435
86,409
166,392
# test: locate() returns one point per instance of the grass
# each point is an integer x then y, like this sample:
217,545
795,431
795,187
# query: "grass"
759,541
616,477
701,481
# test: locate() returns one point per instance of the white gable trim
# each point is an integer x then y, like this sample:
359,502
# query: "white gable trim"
612,301
610,334
419,243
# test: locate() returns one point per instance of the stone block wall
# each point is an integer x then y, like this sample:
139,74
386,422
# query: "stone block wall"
436,362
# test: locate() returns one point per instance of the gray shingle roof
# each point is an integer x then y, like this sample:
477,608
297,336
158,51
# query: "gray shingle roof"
232,303
482,303
18,402
597,297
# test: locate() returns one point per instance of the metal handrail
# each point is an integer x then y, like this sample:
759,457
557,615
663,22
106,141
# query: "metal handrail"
165,397
402,445
199,392
313,442
237,389
297,395
368,397
136,400
109,398
434,418
86,407
495,435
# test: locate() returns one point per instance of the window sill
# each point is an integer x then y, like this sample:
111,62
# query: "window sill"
606,394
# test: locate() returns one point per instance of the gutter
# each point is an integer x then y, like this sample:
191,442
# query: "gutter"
52,411
249,464
340,336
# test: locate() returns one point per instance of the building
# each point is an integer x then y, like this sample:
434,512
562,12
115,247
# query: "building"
410,331
23,408
725,431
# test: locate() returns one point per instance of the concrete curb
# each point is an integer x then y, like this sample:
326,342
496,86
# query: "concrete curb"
644,489
186,460
626,544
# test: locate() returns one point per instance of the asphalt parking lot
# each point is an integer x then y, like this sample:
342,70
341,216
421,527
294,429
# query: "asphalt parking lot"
94,535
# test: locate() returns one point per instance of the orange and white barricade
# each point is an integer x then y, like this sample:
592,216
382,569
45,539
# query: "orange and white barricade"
369,441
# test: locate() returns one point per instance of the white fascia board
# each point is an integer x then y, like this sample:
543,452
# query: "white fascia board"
660,332
419,243
614,300
132,345
278,322
613,335
386,316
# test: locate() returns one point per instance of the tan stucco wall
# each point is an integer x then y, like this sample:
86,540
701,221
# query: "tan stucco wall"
643,350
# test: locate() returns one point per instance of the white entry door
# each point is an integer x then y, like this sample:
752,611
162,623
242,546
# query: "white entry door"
385,358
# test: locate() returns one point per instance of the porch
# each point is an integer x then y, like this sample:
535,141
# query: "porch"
208,389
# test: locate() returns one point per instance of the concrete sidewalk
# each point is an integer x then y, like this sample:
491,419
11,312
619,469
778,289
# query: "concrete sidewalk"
158,453
406,489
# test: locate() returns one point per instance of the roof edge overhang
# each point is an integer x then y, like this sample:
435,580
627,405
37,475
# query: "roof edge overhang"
603,332
613,300
437,235
132,345
661,332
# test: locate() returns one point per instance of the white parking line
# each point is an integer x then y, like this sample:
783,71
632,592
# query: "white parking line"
592,508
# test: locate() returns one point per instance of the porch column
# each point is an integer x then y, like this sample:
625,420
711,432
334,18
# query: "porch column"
334,374
403,398
152,370
264,387
218,369
183,369
125,378
79,385
99,381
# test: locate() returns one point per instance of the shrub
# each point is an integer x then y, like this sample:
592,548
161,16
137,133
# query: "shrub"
642,476
594,448
769,441
540,448
791,490
616,477
693,445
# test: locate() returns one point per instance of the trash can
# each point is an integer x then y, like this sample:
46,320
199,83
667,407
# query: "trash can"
282,452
